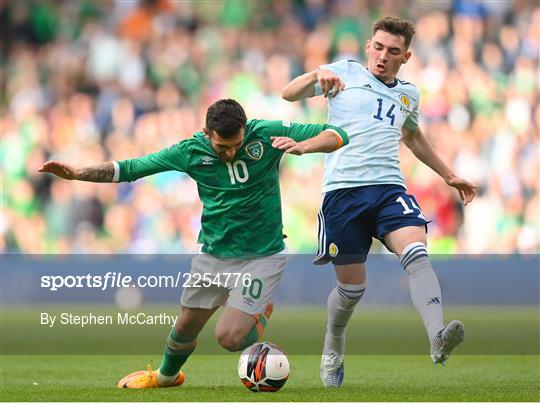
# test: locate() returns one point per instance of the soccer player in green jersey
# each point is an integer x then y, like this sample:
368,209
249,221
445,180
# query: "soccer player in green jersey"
236,166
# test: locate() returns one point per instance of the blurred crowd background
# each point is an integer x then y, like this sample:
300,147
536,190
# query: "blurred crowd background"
87,81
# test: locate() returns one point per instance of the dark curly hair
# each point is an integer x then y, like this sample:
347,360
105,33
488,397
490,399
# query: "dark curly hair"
226,117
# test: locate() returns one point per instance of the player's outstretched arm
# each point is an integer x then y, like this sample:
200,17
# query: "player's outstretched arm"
171,158
327,141
96,173
304,86
422,149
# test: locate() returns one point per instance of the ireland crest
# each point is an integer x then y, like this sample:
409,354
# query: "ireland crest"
255,150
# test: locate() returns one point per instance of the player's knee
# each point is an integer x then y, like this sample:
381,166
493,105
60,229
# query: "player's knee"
351,274
229,339
406,238
229,344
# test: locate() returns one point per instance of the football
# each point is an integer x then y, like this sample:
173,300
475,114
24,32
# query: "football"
263,367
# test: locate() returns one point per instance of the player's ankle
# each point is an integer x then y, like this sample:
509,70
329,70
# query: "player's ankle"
164,380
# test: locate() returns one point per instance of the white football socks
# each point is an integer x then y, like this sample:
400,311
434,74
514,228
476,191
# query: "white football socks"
424,287
341,303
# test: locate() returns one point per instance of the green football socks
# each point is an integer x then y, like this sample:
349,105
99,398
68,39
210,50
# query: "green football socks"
177,351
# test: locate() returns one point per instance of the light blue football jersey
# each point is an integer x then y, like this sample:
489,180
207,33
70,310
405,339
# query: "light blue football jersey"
372,113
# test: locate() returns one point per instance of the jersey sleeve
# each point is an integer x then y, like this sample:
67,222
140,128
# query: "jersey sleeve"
411,122
300,132
172,158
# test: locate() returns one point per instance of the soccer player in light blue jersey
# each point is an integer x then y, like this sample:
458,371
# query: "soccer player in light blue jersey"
364,190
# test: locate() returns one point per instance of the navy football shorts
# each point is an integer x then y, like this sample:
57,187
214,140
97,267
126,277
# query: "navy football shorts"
350,217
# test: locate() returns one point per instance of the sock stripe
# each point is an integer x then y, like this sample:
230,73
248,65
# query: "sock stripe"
180,348
353,291
407,249
352,288
405,260
350,295
174,352
414,259
412,251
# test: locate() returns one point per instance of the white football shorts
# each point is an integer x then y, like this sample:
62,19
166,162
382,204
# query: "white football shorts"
246,285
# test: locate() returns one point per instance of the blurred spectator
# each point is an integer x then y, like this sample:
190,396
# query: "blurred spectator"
88,81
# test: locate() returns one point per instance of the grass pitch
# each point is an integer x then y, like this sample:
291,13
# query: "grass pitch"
497,372
213,378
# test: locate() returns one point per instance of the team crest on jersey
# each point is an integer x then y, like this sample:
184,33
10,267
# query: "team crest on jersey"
404,100
255,150
333,250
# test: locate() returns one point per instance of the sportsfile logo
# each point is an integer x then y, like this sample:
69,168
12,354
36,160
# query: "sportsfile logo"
118,280
109,280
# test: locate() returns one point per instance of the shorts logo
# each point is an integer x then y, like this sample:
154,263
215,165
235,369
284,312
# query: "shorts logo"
249,301
333,250
255,150
404,100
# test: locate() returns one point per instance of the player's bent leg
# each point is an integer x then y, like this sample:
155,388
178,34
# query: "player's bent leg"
340,305
236,329
181,343
249,306
410,245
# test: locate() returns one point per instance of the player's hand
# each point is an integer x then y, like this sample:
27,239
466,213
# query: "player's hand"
59,169
466,190
329,82
288,145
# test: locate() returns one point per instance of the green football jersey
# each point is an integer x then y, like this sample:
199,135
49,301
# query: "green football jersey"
241,200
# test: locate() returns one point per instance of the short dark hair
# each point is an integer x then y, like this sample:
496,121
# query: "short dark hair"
396,26
226,117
